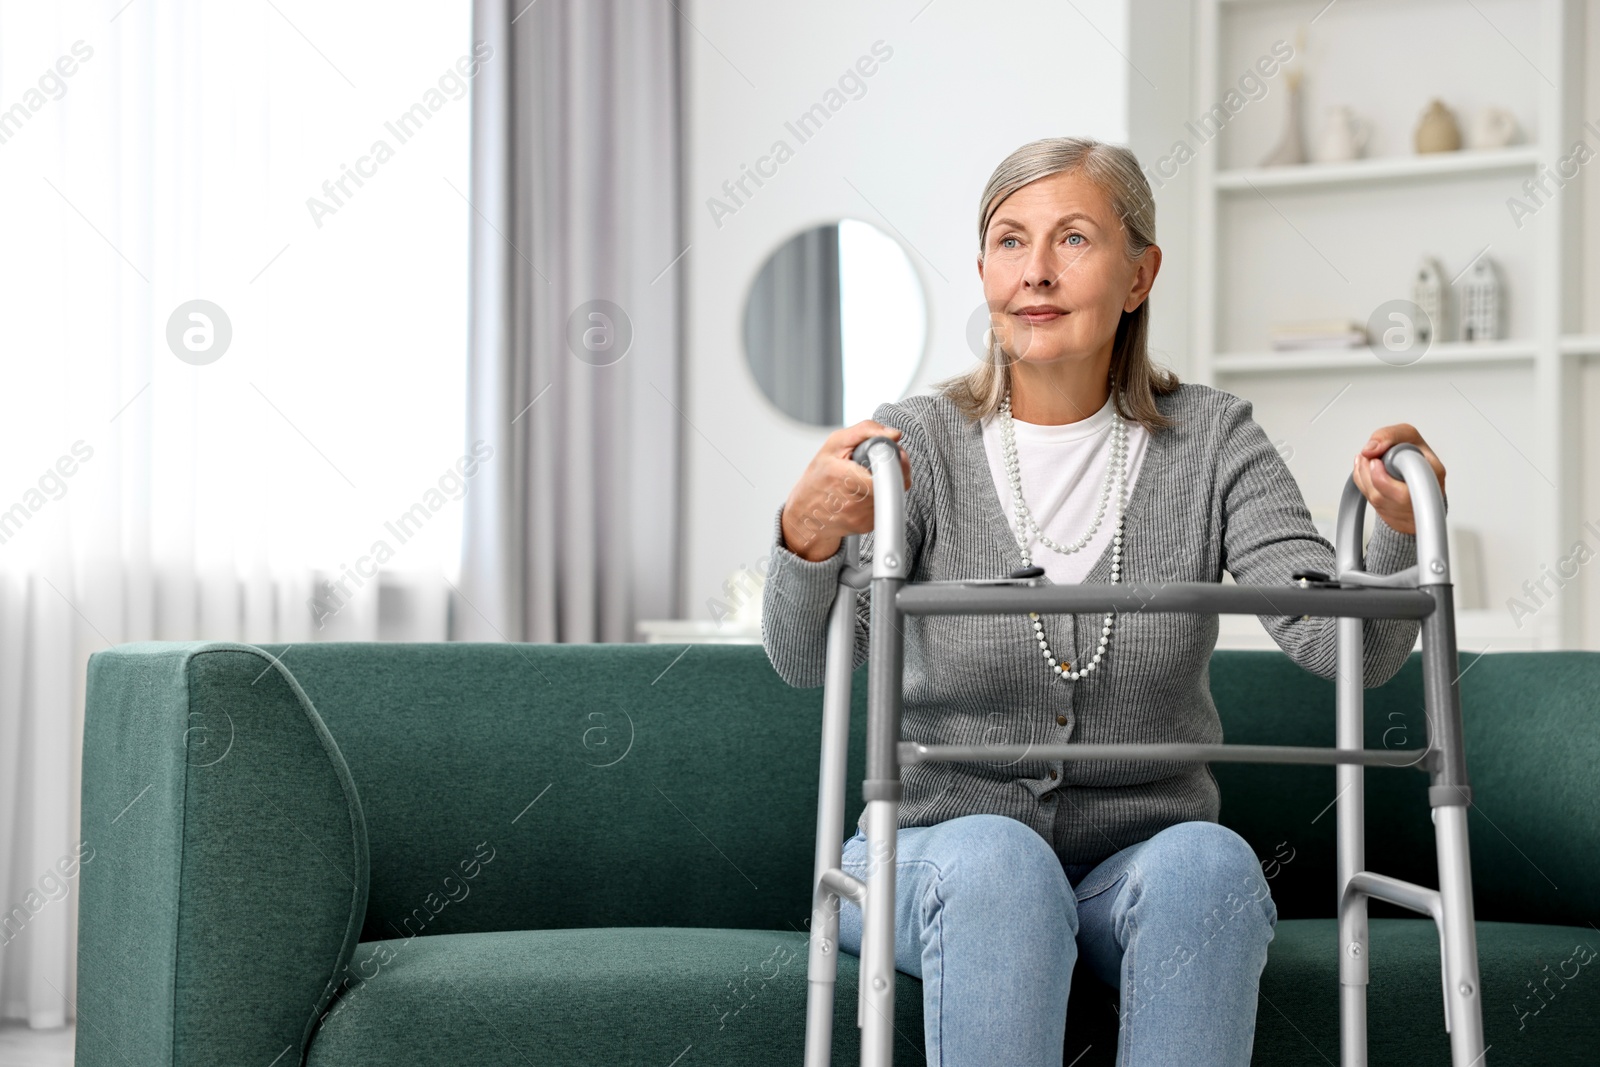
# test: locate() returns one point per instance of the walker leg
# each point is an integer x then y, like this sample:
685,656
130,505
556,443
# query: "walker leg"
1350,801
1463,1006
881,791
877,939
1450,795
822,968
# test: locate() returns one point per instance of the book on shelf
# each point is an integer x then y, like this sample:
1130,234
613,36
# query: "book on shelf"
1317,333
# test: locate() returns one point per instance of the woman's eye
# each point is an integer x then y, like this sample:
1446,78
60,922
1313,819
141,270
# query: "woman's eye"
1074,237
1003,241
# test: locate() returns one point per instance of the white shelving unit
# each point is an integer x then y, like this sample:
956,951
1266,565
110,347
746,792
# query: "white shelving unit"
1334,240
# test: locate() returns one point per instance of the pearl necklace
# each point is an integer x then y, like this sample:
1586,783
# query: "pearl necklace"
1026,523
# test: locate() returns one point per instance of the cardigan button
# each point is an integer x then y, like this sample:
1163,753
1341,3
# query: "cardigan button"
1052,776
1061,720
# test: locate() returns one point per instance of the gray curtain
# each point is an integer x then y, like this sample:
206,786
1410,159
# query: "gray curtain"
571,531
792,329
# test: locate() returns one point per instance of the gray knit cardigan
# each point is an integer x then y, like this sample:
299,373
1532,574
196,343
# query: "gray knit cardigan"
1213,495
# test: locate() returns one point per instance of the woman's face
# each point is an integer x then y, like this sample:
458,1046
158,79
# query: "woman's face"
1057,246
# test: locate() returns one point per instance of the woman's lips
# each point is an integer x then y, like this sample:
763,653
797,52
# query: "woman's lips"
1036,317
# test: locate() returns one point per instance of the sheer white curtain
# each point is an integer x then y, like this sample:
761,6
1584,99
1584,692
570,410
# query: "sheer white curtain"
304,168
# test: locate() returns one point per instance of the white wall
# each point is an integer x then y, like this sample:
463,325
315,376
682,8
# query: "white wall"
1159,86
965,85
1587,218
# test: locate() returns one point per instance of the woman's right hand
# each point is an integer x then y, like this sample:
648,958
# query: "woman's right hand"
833,498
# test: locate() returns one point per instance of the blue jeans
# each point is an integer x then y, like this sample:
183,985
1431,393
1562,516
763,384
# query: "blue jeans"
990,920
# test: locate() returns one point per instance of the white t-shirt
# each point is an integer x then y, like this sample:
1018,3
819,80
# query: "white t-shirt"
1062,469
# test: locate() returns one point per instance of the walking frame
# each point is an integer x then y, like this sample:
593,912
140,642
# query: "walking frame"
1422,592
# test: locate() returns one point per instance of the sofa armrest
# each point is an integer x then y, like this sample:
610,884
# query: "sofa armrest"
230,870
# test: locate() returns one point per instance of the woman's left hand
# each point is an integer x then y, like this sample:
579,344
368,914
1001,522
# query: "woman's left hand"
1388,495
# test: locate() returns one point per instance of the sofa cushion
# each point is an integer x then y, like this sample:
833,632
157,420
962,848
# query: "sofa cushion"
658,994
1532,729
596,996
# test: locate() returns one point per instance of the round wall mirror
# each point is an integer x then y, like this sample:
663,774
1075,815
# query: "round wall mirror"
835,323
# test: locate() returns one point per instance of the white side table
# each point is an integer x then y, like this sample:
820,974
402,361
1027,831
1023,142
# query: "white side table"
699,632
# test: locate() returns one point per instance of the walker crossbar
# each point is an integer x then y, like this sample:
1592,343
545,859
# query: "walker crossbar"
1201,598
911,752
1420,592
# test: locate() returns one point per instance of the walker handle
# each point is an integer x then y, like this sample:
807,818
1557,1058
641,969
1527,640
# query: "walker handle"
1427,503
888,511
860,454
1394,452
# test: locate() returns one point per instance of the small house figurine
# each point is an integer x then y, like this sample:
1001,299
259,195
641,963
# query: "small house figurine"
1480,302
1428,293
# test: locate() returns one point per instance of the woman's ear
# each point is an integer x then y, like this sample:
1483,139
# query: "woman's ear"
980,266
1144,276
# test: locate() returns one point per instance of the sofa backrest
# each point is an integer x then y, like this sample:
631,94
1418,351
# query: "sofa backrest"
1532,728
578,785
635,785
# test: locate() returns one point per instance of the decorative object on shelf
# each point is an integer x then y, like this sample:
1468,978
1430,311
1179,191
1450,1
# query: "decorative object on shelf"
1316,333
1344,136
1437,130
1494,127
1428,292
1291,147
1480,302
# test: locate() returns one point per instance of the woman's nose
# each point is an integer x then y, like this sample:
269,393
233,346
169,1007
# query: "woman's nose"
1042,270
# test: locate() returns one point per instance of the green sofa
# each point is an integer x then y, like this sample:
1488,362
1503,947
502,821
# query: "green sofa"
397,854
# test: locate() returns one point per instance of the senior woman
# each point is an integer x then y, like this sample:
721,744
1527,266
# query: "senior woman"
1067,449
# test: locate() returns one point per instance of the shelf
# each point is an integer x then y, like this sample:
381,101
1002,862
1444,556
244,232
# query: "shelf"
1445,353
1381,171
1573,344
